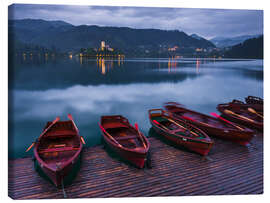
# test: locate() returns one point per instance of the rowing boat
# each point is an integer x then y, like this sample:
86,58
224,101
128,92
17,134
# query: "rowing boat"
124,139
217,127
179,132
57,151
242,114
258,107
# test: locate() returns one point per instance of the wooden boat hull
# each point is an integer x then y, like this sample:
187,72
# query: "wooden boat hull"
201,147
58,163
242,137
136,156
198,147
64,175
257,124
249,104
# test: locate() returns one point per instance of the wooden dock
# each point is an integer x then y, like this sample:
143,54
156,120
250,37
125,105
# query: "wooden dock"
229,169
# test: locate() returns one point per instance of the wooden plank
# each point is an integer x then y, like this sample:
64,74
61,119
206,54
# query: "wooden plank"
233,169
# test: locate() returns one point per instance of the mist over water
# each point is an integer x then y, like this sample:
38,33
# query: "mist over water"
40,90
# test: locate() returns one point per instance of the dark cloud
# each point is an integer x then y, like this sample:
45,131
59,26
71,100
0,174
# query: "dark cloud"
205,22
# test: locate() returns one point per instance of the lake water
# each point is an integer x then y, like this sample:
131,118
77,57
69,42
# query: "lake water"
40,90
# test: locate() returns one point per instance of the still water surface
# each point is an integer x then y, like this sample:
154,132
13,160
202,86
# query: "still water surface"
40,90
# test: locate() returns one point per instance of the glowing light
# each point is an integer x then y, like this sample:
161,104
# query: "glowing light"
103,70
169,65
81,60
197,65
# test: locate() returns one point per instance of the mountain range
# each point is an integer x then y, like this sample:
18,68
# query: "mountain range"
195,36
222,42
40,36
67,37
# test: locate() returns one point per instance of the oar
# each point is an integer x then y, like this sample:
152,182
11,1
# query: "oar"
240,116
72,120
55,120
119,145
137,128
182,126
156,122
255,112
82,140
191,119
33,143
221,118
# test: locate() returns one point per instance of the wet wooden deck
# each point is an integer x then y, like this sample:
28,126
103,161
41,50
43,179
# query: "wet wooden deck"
230,169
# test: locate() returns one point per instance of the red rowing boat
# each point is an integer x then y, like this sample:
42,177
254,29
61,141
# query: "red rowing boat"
58,149
242,114
217,127
124,139
180,133
258,107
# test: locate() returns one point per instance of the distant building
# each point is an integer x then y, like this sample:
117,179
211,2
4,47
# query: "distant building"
103,45
108,48
173,48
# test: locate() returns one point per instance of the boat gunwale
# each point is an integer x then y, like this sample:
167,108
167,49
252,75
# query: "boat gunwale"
223,107
179,136
66,163
232,128
141,150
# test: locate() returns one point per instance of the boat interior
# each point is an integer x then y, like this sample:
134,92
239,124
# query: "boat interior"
177,128
59,144
258,116
122,133
202,118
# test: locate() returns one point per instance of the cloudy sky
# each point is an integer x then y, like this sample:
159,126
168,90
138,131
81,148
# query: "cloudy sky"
208,23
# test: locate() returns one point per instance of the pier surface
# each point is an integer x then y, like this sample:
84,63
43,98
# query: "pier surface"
229,169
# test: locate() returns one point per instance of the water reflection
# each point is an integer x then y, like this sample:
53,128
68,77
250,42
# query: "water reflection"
197,66
103,70
40,91
172,64
105,65
88,103
41,74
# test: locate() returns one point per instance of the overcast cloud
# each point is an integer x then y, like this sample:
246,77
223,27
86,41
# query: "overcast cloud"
204,22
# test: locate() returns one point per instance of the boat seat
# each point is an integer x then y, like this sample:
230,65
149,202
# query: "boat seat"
60,149
126,137
61,133
113,125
